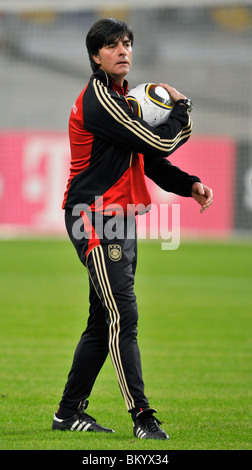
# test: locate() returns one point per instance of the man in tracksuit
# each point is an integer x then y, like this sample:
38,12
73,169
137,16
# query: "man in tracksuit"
112,150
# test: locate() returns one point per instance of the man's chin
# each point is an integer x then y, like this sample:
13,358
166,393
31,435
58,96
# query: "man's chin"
123,69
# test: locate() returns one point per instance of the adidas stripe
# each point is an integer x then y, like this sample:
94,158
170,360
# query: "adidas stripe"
114,327
75,424
140,433
79,425
165,145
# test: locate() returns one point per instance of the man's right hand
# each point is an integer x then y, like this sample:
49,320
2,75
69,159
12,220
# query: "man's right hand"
174,94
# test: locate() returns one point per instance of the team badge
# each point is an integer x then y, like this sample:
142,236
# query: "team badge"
115,252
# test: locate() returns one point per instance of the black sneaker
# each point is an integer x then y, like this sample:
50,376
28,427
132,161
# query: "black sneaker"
146,426
81,421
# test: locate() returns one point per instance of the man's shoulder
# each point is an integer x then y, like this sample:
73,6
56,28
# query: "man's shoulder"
100,76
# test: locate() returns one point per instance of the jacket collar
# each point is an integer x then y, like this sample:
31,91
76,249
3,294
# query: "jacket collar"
110,83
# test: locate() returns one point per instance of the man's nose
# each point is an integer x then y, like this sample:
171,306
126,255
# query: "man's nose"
121,49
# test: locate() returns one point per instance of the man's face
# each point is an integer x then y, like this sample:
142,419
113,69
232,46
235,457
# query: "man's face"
116,59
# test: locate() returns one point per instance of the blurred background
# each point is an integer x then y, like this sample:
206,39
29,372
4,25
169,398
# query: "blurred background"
202,48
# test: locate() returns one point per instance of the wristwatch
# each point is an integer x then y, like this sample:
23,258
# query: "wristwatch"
187,103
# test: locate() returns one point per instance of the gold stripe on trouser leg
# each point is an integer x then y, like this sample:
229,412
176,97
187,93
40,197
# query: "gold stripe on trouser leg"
114,327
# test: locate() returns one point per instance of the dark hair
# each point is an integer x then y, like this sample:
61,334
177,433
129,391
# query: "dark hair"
103,33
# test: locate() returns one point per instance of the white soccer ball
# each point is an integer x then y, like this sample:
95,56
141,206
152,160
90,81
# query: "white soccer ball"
150,102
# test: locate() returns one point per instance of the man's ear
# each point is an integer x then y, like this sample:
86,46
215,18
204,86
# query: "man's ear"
97,59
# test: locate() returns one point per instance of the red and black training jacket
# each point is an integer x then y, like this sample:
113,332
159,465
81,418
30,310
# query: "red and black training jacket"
112,149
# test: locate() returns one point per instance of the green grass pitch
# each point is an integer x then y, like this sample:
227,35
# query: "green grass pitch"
195,306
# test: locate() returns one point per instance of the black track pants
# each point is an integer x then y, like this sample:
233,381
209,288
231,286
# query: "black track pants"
112,322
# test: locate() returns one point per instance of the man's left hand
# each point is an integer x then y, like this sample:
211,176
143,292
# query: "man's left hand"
203,195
